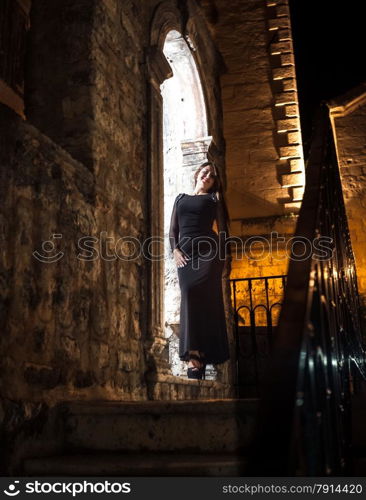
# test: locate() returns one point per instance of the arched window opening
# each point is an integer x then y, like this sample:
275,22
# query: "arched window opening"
185,143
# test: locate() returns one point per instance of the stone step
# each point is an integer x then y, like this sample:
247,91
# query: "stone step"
146,464
210,426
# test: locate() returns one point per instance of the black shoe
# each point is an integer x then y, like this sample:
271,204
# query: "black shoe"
194,372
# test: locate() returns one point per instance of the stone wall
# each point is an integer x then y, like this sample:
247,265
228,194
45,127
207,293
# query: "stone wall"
264,157
59,78
71,325
260,107
349,121
88,94
264,246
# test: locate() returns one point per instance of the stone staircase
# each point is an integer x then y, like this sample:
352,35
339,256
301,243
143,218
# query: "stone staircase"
152,438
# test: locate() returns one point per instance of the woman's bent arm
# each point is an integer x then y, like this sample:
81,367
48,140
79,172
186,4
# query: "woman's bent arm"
174,227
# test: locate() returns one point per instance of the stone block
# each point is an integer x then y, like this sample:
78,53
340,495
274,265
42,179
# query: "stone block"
296,165
246,123
286,98
287,59
282,10
290,124
284,72
259,156
292,206
279,23
289,84
291,110
291,152
293,179
280,47
297,193
294,137
284,34
245,95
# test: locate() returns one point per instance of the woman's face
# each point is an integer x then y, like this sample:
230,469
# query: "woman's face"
206,177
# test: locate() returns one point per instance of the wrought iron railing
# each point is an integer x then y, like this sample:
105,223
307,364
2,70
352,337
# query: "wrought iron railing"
304,422
256,303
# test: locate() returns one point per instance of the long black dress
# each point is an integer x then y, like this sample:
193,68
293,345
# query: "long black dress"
202,315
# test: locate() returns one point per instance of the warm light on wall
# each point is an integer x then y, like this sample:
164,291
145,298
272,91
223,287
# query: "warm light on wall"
269,266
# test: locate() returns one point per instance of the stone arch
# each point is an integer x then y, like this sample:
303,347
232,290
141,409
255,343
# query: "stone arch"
166,17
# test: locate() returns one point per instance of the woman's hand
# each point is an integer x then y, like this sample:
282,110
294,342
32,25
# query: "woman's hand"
180,258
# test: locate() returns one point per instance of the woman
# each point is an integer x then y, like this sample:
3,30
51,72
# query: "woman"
199,255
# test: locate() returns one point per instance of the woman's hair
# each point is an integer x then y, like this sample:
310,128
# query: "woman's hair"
216,187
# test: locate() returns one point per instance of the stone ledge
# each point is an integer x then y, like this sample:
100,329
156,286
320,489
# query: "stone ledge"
171,387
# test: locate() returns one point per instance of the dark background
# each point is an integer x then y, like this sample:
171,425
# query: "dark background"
329,42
